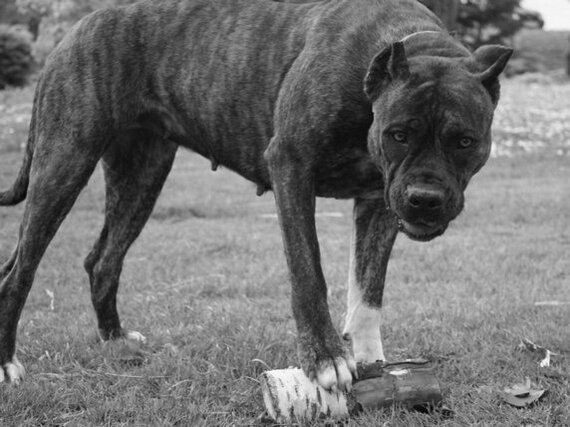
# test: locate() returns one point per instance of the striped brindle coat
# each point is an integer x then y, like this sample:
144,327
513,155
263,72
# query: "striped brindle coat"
369,100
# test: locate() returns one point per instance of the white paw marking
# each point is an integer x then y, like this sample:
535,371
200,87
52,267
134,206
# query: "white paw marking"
12,372
326,376
363,327
343,373
362,323
135,336
335,376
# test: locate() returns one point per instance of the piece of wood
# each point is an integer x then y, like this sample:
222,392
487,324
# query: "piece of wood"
290,397
411,383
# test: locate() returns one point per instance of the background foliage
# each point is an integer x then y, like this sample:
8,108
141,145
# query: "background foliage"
493,21
475,22
15,56
49,20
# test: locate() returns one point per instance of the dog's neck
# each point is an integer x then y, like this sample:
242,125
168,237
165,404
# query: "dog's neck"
418,33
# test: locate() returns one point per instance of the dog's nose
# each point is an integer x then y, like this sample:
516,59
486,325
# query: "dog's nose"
425,197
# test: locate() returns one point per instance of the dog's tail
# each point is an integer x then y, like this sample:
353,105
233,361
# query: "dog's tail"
19,189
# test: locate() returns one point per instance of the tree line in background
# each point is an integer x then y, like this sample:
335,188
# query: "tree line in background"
480,22
29,29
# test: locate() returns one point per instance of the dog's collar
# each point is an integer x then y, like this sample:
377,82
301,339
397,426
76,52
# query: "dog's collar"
409,36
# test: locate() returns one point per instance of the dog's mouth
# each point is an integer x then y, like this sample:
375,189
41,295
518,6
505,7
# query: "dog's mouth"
421,231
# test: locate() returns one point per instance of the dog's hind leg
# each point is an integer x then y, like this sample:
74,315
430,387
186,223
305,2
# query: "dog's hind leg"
60,170
135,171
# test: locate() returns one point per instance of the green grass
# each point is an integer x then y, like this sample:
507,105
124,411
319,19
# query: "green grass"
207,284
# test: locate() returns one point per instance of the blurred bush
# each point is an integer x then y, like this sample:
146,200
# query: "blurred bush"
494,21
55,18
16,60
524,62
475,22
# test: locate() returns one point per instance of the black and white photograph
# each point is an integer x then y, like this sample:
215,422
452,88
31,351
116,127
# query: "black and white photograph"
285,213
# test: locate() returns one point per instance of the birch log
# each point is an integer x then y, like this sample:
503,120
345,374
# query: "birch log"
290,397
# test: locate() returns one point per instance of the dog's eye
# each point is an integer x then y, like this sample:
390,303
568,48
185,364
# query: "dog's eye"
465,142
400,137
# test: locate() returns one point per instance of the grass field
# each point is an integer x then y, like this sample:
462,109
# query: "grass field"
207,284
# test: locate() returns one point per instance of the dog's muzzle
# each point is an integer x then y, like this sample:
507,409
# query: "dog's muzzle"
420,231
422,214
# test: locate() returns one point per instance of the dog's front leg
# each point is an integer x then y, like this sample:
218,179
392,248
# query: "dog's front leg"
374,232
322,353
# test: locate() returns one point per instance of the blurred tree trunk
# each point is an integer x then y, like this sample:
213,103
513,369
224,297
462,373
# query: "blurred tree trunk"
447,10
568,59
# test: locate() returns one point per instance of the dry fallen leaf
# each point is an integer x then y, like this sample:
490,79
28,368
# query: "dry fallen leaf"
527,344
521,395
485,389
51,297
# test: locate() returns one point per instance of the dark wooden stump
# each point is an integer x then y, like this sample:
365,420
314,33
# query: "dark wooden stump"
411,383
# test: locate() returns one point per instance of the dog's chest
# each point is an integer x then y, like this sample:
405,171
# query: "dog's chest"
347,174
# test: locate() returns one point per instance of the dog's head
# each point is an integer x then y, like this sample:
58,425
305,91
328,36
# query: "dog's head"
432,130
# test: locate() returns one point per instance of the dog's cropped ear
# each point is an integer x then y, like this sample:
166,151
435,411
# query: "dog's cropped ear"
389,65
491,61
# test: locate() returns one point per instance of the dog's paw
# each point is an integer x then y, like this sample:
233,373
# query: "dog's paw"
336,374
12,372
118,334
368,351
330,363
366,348
362,333
135,336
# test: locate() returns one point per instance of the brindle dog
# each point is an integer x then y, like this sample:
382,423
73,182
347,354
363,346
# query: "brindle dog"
363,99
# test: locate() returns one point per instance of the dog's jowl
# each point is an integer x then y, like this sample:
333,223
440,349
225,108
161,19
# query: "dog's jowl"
369,100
